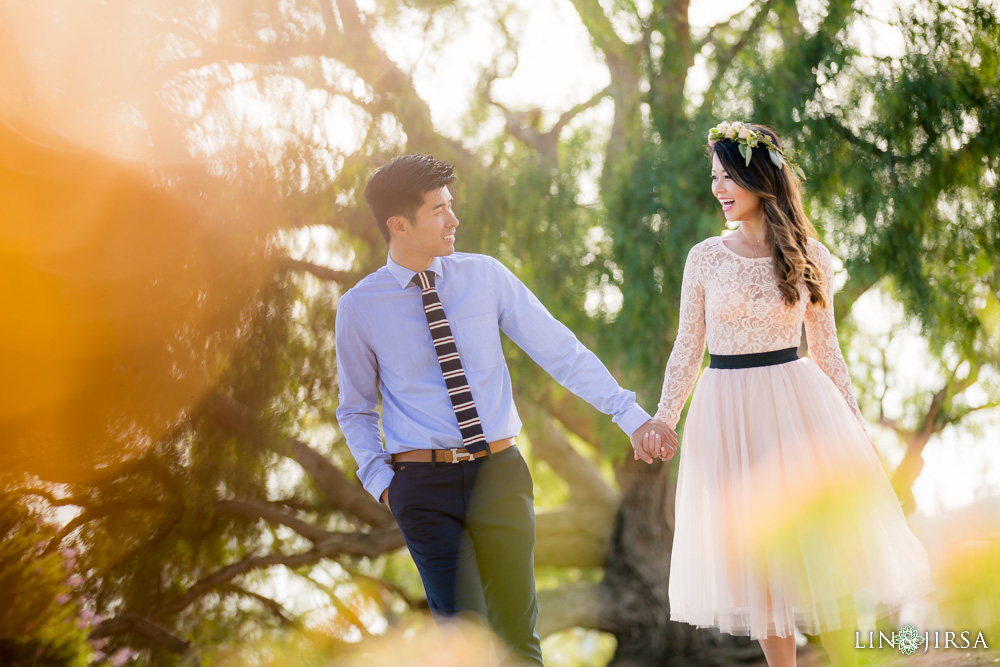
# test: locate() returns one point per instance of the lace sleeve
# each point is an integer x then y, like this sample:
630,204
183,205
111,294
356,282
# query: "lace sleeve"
689,347
821,334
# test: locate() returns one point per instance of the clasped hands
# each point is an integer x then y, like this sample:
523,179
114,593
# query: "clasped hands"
654,440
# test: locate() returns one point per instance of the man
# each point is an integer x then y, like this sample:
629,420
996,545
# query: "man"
424,330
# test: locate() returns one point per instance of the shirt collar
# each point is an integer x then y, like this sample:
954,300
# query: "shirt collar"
404,276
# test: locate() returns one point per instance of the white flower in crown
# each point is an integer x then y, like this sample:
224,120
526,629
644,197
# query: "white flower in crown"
748,139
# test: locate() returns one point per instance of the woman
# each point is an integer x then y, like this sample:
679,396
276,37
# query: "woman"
784,516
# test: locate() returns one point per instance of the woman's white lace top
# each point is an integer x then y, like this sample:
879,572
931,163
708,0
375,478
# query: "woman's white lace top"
734,303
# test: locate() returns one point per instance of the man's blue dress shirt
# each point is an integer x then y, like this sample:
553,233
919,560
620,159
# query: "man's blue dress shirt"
383,342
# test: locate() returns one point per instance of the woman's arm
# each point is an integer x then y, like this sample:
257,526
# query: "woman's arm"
689,347
821,334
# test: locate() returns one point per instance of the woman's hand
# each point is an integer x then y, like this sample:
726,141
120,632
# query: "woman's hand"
652,440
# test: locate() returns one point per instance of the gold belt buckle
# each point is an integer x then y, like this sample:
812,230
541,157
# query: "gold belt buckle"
457,456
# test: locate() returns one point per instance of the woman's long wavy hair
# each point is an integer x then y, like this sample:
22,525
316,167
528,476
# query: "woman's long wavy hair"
785,222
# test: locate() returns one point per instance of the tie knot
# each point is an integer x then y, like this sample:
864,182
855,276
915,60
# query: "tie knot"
424,279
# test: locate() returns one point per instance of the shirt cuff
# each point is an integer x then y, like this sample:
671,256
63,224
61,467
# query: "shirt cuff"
380,482
630,420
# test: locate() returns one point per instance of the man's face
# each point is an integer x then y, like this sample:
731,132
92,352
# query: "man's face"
432,232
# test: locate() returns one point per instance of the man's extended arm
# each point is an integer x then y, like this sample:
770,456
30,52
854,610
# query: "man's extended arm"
556,349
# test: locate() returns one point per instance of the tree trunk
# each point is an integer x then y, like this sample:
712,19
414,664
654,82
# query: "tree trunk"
908,471
634,603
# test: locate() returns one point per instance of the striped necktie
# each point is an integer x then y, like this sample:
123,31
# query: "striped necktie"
451,366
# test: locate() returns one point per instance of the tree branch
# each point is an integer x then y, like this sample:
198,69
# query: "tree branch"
571,412
254,510
356,48
217,54
321,272
726,60
861,277
933,422
104,474
572,536
586,485
626,76
48,496
986,406
302,505
929,422
369,545
709,35
84,517
846,133
602,32
143,627
575,605
340,492
412,603
92,514
351,617
523,125
341,607
576,110
269,604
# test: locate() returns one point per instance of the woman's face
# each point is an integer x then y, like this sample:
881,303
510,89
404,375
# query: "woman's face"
737,203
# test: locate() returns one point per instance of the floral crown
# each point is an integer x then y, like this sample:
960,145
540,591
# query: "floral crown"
748,139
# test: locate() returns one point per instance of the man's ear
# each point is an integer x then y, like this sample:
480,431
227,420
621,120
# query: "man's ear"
397,224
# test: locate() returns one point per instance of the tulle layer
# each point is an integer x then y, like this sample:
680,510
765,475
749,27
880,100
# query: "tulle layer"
784,515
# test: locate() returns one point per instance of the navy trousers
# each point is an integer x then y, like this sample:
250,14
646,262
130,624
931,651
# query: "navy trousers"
470,528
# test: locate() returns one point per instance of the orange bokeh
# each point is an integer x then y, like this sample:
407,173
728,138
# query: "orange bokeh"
121,299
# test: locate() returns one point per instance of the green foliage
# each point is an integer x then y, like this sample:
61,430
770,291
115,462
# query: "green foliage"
657,209
914,173
41,611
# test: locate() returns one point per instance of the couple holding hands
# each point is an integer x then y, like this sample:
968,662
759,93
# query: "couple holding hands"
784,516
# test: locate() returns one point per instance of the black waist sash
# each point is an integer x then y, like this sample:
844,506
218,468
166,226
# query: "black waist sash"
772,358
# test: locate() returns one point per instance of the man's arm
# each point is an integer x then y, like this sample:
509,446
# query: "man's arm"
357,376
556,349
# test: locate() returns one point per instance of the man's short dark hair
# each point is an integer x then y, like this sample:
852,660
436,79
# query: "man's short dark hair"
399,187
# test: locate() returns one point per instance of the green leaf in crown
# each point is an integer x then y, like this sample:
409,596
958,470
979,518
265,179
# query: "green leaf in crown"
747,139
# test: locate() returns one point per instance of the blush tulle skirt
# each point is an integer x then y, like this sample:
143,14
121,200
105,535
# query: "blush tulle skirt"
784,516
